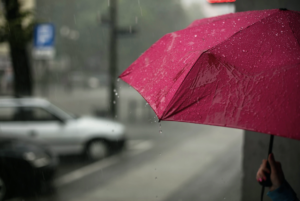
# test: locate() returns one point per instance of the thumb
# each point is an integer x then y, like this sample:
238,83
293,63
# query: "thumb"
272,162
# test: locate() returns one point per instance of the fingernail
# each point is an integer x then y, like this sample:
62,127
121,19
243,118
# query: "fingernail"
260,180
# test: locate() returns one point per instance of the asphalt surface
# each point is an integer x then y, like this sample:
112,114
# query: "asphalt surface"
184,162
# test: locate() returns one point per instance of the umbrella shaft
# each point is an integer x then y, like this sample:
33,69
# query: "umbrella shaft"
270,145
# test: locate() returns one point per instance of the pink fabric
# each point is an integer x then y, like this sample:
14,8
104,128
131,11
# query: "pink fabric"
237,70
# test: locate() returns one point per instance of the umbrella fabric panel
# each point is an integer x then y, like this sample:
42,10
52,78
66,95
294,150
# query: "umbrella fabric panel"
238,70
240,102
158,82
249,82
158,73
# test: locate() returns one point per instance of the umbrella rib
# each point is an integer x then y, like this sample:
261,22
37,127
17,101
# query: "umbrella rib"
167,108
164,113
178,111
293,31
240,31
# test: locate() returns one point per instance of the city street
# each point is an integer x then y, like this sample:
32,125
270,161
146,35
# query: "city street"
183,162
173,100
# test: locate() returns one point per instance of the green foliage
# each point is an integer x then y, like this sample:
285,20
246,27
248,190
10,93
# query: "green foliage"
15,30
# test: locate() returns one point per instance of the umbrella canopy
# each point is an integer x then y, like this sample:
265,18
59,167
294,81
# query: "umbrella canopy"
237,70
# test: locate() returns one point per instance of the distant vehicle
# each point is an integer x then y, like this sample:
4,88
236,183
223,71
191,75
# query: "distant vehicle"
38,119
25,167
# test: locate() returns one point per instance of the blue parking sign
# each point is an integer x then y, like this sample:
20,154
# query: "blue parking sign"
44,36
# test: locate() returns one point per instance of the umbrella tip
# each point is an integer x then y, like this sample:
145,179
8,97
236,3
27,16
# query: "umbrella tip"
282,9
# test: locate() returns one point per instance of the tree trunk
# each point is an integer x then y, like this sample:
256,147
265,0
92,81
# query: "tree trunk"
18,51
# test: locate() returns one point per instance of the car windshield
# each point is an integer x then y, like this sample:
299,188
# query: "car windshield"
60,113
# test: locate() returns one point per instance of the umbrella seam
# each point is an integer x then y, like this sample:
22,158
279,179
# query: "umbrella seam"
205,52
212,48
292,30
181,84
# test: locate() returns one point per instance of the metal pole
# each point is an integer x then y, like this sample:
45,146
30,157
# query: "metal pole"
113,57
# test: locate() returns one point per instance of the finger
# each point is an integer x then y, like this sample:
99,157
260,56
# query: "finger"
261,176
266,170
264,163
263,171
278,164
272,162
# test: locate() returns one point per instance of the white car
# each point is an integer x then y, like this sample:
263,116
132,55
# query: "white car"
65,134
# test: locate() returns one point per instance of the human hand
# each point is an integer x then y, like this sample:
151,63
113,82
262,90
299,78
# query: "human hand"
277,176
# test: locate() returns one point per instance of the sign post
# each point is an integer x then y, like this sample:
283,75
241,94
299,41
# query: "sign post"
44,41
43,51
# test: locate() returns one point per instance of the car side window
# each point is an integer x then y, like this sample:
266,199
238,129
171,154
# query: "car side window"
8,114
38,114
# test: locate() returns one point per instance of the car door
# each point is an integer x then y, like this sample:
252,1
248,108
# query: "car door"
11,121
45,126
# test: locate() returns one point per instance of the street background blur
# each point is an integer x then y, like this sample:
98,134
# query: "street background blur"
167,161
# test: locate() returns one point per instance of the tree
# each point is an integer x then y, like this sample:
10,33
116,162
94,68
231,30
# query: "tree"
18,33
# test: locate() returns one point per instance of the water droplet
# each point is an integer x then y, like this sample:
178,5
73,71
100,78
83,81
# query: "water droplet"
118,79
195,35
116,94
114,102
160,129
115,90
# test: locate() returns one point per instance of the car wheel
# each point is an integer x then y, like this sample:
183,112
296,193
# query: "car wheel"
3,190
96,149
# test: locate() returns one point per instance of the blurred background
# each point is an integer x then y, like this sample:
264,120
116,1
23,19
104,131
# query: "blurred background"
71,130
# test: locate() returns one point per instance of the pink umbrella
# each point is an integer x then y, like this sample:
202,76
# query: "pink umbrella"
237,70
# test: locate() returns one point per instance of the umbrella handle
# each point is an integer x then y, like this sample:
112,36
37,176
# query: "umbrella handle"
268,182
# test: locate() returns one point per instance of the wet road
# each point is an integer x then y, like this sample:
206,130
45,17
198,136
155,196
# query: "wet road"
185,162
